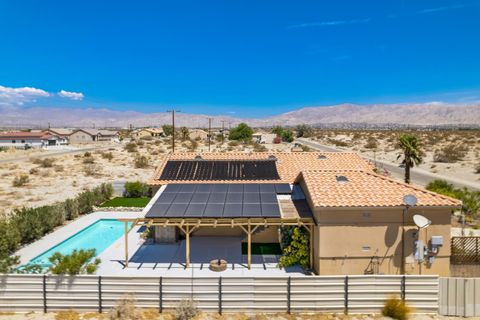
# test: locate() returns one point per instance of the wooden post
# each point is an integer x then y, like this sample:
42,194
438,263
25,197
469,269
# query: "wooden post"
249,245
311,246
187,251
126,244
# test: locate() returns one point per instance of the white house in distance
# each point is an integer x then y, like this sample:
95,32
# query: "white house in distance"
26,140
81,136
62,133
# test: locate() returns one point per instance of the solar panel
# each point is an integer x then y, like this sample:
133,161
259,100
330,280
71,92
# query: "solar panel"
224,200
283,188
220,170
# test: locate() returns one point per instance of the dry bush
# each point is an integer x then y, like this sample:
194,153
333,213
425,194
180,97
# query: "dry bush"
58,168
131,147
338,143
107,155
125,310
67,315
186,310
88,160
87,154
396,309
372,143
141,162
257,147
477,168
91,170
33,171
140,143
450,153
44,163
20,181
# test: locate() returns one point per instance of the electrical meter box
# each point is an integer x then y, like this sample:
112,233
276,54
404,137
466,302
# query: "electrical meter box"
437,241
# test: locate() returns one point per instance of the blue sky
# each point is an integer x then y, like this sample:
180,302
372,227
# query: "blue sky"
243,58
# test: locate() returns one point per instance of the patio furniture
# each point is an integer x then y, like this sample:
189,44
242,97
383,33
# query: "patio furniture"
218,265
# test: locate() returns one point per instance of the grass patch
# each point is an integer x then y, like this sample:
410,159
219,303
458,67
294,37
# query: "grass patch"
126,202
262,248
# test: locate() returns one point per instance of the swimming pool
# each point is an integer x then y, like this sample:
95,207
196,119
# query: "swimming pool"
99,236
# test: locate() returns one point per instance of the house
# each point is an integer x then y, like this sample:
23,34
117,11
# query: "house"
81,136
62,133
148,132
28,139
198,134
261,137
356,222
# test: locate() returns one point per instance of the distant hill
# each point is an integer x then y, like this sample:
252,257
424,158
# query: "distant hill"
435,114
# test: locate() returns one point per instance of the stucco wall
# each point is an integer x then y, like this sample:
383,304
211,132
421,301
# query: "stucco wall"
358,241
80,137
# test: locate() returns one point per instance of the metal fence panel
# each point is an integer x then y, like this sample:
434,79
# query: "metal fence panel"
459,297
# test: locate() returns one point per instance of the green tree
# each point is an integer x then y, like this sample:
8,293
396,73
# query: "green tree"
287,135
78,262
184,133
277,130
412,154
167,129
136,189
296,248
304,131
241,132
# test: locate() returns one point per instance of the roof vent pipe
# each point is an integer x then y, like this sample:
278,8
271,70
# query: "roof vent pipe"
322,157
342,179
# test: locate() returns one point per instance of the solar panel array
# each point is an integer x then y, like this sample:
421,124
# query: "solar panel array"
208,170
219,201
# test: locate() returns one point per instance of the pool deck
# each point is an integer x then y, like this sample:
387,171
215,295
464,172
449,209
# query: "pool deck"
162,259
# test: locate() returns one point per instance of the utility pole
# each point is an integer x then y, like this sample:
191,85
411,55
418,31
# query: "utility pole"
209,132
223,131
173,127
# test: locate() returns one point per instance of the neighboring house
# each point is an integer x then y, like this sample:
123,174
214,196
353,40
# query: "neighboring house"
81,136
148,132
62,133
198,134
356,220
261,137
28,139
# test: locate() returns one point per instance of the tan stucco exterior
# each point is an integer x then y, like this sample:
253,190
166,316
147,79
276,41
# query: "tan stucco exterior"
81,136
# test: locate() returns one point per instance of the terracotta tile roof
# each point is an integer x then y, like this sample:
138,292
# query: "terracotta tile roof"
24,135
365,189
289,165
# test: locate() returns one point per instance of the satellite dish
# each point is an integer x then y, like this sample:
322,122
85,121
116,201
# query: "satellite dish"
421,221
410,200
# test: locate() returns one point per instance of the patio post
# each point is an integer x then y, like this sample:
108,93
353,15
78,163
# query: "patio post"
249,237
310,229
126,243
187,251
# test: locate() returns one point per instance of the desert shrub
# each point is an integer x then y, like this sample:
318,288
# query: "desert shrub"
87,154
186,310
9,238
131,147
88,160
140,143
194,145
44,162
450,153
107,155
233,143
91,169
125,310
242,132
372,143
20,181
295,246
396,309
257,147
34,223
304,130
141,161
78,262
477,168
58,168
3,149
33,171
338,143
287,135
136,189
470,199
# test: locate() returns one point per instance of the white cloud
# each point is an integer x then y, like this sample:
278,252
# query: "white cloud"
18,96
71,95
430,10
329,23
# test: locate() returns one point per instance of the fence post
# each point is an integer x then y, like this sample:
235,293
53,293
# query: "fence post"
100,307
44,293
402,288
289,293
220,295
346,295
160,295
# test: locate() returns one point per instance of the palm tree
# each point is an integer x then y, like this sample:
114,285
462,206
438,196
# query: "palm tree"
412,155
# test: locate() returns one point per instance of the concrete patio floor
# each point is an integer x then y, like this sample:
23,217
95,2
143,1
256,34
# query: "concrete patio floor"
169,259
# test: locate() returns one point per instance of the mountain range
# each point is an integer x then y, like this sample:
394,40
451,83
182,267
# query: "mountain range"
416,114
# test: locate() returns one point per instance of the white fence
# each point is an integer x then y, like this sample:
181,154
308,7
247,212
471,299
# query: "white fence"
352,294
459,297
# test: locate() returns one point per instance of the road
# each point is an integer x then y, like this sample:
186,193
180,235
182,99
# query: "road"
52,154
417,176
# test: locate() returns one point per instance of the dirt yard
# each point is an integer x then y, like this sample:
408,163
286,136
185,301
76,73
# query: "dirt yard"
448,153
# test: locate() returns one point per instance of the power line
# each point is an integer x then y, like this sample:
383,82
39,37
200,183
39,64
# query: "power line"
173,127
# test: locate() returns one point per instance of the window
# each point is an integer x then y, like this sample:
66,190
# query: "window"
13,141
23,141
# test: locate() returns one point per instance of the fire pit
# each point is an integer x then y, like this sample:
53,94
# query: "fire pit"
218,265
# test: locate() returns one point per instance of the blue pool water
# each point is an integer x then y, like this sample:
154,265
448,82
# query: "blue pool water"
99,236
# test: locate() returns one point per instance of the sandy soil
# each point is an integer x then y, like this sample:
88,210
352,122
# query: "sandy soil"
70,174
384,147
